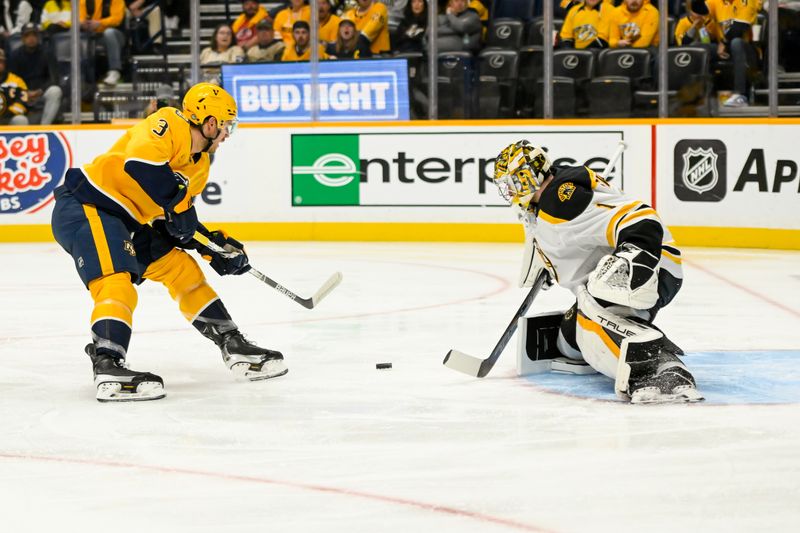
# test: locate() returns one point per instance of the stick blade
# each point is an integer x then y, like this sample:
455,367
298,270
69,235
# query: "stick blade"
326,288
464,363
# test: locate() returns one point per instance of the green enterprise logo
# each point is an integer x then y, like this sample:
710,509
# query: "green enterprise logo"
325,170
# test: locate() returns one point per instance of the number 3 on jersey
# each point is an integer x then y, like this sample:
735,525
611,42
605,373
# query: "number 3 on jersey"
162,128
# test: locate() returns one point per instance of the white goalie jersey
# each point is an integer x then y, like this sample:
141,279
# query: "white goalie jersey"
580,218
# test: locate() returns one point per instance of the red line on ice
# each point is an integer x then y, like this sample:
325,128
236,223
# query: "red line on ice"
290,484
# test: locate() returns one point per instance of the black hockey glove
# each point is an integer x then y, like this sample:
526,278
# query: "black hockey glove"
224,265
180,225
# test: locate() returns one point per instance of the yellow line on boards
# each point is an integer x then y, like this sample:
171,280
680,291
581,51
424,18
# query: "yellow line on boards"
781,239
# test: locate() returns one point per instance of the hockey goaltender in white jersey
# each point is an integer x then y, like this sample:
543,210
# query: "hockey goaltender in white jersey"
617,258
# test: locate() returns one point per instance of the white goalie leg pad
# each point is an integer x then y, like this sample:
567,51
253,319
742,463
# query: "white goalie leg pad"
600,333
629,278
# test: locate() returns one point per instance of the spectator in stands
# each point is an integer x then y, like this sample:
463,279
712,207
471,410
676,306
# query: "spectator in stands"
37,68
586,25
301,49
697,28
483,13
13,93
328,22
268,48
348,45
244,27
220,51
285,19
459,28
27,11
105,17
371,20
56,16
145,23
633,24
736,19
410,33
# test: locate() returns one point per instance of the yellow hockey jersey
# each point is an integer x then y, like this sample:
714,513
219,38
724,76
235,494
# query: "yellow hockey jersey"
135,178
584,24
726,12
580,218
374,24
641,27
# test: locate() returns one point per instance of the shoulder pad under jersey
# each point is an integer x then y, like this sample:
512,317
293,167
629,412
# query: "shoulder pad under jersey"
568,195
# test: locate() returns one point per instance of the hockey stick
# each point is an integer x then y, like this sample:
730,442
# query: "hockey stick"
480,367
308,303
613,161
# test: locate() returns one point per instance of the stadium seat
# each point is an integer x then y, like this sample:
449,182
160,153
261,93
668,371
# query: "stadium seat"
564,98
455,84
619,72
504,33
521,9
534,31
578,65
610,96
61,50
688,84
530,72
497,83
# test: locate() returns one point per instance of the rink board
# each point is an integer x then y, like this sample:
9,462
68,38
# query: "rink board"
715,183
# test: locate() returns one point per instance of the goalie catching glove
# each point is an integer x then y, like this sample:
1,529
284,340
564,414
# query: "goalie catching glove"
234,261
628,277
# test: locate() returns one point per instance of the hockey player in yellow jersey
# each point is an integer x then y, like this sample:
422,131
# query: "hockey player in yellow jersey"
129,216
618,259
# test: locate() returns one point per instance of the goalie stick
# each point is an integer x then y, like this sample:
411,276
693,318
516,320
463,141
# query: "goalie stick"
613,161
308,303
481,367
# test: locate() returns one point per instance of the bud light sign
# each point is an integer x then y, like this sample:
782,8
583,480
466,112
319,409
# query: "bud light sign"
32,165
347,90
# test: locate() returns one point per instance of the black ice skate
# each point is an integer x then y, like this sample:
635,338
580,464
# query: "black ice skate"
649,371
115,382
244,358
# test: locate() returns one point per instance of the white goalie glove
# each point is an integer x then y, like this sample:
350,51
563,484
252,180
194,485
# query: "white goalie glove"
628,277
534,262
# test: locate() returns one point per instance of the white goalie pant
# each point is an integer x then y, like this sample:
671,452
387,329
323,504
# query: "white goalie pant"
600,331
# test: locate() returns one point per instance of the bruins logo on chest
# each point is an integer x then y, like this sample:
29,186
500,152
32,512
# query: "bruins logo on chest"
128,247
565,191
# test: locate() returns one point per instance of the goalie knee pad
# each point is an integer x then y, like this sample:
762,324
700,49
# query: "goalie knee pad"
600,333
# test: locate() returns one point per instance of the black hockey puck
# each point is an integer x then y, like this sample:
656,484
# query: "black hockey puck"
383,366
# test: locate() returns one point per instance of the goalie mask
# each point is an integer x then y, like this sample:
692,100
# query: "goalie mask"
519,172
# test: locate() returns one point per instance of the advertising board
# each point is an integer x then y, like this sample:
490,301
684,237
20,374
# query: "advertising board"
362,90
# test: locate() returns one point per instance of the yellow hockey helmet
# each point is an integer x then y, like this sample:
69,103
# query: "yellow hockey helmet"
206,100
519,172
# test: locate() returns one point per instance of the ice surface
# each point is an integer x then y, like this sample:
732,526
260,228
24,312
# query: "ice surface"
337,445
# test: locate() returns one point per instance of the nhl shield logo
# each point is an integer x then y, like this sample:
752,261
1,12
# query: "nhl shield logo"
700,170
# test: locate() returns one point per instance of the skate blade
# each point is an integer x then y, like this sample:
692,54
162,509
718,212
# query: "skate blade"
269,369
652,395
113,392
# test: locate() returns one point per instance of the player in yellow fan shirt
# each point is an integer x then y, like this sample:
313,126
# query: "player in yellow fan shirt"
736,18
371,19
285,19
586,25
634,24
301,49
129,216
